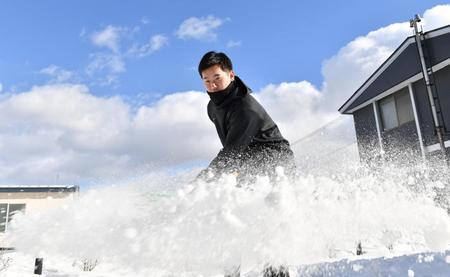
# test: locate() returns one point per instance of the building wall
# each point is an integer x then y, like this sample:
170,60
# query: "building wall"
437,48
401,144
35,202
424,112
442,82
404,139
366,134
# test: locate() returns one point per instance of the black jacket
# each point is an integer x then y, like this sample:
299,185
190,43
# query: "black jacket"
251,140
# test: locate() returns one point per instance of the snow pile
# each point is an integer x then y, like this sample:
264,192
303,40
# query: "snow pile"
204,228
427,264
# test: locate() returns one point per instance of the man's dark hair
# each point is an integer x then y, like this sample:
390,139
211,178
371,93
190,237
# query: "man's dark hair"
214,58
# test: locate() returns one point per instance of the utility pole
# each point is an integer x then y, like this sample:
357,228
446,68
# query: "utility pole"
426,75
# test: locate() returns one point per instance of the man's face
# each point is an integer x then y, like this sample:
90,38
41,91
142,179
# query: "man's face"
215,79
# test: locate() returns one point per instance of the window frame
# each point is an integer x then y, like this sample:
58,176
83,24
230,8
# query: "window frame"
395,96
9,216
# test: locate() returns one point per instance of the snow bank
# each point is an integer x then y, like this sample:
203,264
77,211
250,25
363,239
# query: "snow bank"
160,226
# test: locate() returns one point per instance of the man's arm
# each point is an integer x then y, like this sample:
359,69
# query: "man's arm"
243,125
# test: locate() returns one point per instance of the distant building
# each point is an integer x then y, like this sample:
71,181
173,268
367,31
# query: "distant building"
28,199
392,111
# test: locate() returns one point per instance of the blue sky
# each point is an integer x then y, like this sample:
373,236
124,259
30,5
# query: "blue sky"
277,41
97,91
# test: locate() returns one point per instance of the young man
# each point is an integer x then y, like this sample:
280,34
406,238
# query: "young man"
252,143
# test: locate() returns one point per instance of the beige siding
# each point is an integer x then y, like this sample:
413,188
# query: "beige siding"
35,202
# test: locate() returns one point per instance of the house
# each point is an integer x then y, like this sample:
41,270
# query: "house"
402,111
28,199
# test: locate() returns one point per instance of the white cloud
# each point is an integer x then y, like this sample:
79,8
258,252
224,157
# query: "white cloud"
290,104
63,129
436,17
199,28
145,20
354,63
232,43
57,128
58,74
105,67
343,74
156,43
100,61
108,37
83,32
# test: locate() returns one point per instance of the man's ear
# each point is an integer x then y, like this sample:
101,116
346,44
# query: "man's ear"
232,75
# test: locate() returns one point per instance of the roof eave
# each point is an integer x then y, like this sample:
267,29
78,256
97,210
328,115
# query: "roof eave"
343,109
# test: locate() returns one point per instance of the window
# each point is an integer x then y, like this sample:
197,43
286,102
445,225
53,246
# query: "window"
396,110
7,212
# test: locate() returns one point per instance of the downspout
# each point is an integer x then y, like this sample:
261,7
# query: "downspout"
416,118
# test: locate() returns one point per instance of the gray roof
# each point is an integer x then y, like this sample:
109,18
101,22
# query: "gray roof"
38,188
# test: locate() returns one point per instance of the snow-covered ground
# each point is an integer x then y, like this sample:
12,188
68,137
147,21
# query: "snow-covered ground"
425,264
166,226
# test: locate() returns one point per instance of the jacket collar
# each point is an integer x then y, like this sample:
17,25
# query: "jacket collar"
219,96
236,89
